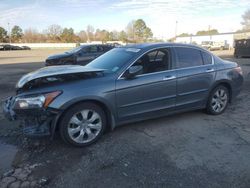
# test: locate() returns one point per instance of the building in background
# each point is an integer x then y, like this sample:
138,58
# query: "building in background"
226,38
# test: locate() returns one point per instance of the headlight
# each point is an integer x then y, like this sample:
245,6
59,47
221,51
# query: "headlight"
36,101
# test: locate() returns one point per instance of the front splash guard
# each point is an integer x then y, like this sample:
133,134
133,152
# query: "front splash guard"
32,127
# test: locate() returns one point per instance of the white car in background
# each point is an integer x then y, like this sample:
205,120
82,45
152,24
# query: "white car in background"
215,45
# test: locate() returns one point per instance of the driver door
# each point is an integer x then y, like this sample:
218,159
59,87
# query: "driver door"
152,91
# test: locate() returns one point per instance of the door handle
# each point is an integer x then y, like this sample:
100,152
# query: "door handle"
169,77
210,70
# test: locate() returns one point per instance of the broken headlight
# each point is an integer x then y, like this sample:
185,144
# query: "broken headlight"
35,101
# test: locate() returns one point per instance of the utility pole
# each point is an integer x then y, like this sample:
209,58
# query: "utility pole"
176,25
9,33
209,28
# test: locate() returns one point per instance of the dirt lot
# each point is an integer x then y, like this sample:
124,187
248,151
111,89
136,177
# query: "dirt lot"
186,150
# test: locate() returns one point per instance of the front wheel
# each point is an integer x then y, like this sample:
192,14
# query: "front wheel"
218,100
83,124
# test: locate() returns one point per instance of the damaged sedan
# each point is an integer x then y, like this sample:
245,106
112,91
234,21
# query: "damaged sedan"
126,84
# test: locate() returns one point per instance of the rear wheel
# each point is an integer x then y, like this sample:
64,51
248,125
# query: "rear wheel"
83,124
218,100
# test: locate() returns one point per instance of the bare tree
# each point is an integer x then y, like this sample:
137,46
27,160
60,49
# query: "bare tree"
90,32
246,20
115,35
32,35
131,30
102,35
98,34
54,32
83,36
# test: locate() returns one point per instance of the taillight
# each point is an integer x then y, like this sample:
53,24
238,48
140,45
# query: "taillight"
239,70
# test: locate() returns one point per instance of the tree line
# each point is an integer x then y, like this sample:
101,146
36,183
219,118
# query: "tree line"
136,31
200,33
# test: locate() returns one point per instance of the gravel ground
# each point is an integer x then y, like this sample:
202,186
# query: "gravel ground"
185,150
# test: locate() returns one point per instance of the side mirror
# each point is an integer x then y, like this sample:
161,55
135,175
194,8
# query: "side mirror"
133,71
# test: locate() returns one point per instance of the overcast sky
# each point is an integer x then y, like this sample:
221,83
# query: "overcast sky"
159,15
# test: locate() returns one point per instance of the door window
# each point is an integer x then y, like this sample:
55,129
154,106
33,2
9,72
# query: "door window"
188,57
100,49
154,61
92,49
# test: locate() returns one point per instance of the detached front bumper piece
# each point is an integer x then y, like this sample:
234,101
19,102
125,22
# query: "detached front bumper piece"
35,122
7,109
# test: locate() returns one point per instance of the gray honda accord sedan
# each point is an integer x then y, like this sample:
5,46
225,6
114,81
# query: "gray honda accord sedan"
126,84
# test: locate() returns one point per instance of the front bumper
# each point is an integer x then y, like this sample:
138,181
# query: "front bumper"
35,122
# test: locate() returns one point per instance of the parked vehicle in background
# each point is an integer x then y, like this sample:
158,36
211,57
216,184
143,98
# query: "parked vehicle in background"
126,84
115,44
215,45
81,55
26,48
242,48
6,47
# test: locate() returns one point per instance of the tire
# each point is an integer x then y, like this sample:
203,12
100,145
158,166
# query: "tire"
83,124
218,100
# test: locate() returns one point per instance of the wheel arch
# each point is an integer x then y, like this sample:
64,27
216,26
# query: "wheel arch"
107,110
226,84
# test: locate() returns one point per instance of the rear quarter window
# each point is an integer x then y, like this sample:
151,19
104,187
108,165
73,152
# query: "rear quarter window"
207,58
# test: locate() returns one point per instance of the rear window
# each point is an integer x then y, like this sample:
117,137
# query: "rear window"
188,57
90,49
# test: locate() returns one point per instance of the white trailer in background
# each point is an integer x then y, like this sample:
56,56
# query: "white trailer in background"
224,39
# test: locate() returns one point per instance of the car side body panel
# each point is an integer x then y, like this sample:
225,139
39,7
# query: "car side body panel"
193,86
227,74
145,94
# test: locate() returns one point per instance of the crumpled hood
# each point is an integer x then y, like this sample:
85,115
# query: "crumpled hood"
53,71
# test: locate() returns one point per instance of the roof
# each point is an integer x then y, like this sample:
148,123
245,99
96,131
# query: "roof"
156,45
84,45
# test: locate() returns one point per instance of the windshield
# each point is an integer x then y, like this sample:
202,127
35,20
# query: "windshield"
74,50
113,60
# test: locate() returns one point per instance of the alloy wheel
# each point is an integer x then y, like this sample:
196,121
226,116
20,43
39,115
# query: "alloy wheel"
219,100
84,126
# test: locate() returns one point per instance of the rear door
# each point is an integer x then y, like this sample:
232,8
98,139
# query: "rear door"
153,90
195,75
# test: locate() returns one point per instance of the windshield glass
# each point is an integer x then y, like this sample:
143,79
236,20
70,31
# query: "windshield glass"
113,60
74,50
